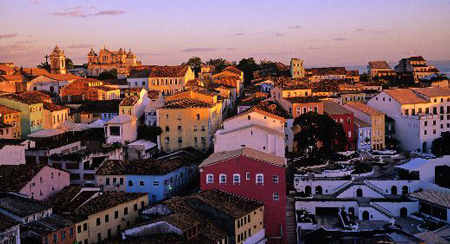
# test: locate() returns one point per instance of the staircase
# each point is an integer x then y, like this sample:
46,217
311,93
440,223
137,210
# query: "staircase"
374,187
291,223
382,210
338,190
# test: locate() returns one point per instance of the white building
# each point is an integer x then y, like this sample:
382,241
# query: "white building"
363,131
13,152
134,105
156,101
420,114
254,128
122,128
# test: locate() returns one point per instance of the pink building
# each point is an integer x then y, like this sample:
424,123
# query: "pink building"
37,181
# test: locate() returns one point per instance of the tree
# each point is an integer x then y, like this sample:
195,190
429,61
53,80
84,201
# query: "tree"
108,75
219,64
45,66
319,135
196,64
149,132
440,145
364,77
248,65
69,63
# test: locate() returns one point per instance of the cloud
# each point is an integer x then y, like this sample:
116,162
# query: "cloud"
339,39
4,36
79,45
230,48
379,32
318,48
279,34
238,34
361,30
296,27
271,53
369,31
82,12
199,49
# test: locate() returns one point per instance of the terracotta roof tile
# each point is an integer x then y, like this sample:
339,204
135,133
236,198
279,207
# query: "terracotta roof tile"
364,108
433,91
6,110
245,152
14,177
158,71
54,107
379,65
186,103
333,108
405,96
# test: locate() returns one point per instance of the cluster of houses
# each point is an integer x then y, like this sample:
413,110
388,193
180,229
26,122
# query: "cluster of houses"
78,163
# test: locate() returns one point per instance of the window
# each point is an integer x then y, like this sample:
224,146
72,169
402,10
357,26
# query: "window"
107,218
275,179
247,176
197,116
71,232
55,238
85,227
125,211
236,179
222,178
179,128
195,128
141,183
276,196
259,179
116,214
209,178
180,140
107,181
114,130
79,229
167,128
130,183
203,128
98,222
156,183
135,207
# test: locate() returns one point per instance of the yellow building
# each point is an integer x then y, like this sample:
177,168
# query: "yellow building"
54,115
374,118
352,97
290,91
31,111
297,69
189,119
58,61
10,123
98,216
107,60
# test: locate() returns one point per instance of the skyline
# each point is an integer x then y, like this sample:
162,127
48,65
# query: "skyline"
323,33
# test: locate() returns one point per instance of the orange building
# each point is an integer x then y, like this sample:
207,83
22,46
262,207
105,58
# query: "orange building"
302,105
9,123
88,89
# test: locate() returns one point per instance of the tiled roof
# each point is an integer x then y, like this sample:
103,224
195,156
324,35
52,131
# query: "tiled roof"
257,109
106,201
21,206
6,223
229,203
116,82
255,127
405,96
23,98
433,91
153,94
364,108
158,71
417,58
129,101
112,167
303,99
104,88
186,103
54,107
288,87
6,110
352,72
48,225
11,78
226,73
245,152
233,69
360,123
436,197
379,65
333,108
62,77
253,99
7,69
70,198
34,71
120,119
111,106
273,107
14,177
328,71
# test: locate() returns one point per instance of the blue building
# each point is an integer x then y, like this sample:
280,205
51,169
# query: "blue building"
161,178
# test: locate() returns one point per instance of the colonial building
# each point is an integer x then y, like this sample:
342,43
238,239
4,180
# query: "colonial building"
122,128
297,70
380,69
167,79
88,89
9,230
58,61
255,128
290,91
135,105
50,82
326,73
417,66
50,229
420,114
91,111
345,118
107,60
54,115
373,117
36,181
189,119
254,174
231,76
363,133
31,111
156,101
211,217
9,123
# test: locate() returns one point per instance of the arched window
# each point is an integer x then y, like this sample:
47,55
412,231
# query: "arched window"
319,190
236,178
209,178
259,179
222,178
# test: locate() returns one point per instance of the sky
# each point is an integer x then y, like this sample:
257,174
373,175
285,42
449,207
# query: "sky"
169,32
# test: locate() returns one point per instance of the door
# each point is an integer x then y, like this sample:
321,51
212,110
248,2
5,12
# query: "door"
365,215
403,212
359,193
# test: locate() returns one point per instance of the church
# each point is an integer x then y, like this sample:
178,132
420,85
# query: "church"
107,60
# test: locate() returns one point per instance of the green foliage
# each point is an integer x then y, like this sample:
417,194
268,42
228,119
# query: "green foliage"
319,135
219,64
361,168
149,132
69,63
45,66
364,77
248,65
440,145
108,75
195,63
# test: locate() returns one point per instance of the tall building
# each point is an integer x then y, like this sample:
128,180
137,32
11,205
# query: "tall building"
58,61
416,65
297,70
344,117
420,114
380,69
107,60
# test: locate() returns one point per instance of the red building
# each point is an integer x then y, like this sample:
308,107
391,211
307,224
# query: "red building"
254,174
50,229
345,117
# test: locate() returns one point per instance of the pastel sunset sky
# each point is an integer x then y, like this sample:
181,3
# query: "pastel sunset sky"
334,32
